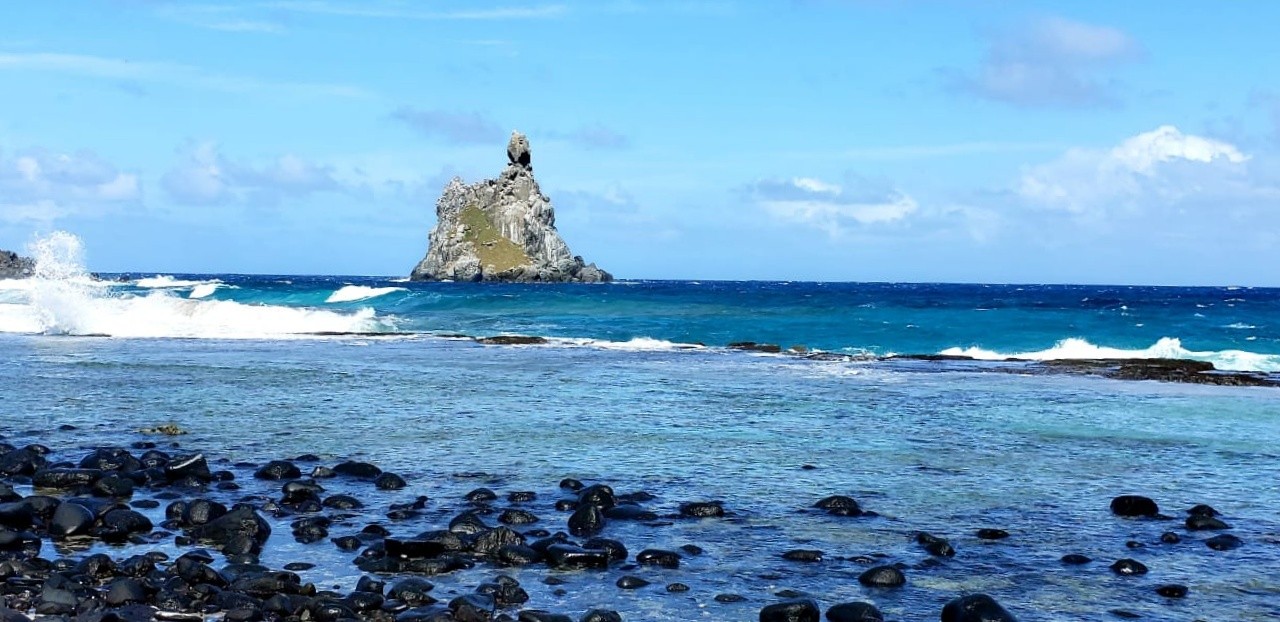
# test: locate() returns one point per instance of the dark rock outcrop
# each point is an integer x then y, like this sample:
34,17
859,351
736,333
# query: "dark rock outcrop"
14,267
501,229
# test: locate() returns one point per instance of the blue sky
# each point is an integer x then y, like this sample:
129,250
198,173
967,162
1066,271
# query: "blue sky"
863,140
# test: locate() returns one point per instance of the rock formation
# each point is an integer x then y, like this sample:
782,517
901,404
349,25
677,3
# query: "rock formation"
501,229
14,267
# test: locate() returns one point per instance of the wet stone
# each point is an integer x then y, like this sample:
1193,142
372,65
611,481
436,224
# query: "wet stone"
1172,590
631,582
975,608
389,481
854,612
1170,537
277,470
601,615
658,557
729,598
803,555
1075,559
883,576
1134,506
992,534
794,610
1202,522
676,588
1224,542
1129,567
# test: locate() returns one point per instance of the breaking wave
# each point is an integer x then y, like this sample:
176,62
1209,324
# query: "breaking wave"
62,299
1165,348
353,293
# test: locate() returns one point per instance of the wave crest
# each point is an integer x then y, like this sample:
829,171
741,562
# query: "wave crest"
353,293
1164,348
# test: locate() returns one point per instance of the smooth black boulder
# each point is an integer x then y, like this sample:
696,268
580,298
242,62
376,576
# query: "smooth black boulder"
839,505
615,549
566,556
65,479
538,615
803,555
702,509
513,516
658,557
124,591
1075,559
1202,510
278,469
1224,542
473,608
934,545
1172,590
389,481
975,608
795,610
1134,506
631,582
992,534
1205,522
883,576
193,467
854,612
587,520
601,615
239,531
70,519
1128,567
362,470
413,591
599,495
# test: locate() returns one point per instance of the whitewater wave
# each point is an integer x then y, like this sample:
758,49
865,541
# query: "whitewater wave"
636,344
353,293
1165,348
164,281
61,299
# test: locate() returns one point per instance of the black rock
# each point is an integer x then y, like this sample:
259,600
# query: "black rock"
518,555
569,483
473,608
1172,590
854,612
1170,537
676,588
192,466
729,598
1203,522
1224,542
389,481
512,516
363,470
9,615
615,549
125,591
70,519
601,615
113,486
629,511
803,555
631,582
239,531
992,534
587,520
658,557
538,615
976,608
413,591
1202,510
481,495
883,576
935,545
795,610
489,542
1128,567
1075,559
412,548
278,469
1134,506
598,495
702,509
342,502
521,496
65,478
565,556
839,505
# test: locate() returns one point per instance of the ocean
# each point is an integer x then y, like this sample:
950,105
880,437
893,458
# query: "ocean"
634,384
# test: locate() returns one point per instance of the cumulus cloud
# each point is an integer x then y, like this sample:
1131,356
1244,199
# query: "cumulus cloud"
1051,61
204,176
831,207
455,127
1162,166
43,185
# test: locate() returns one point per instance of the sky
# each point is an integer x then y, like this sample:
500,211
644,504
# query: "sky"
843,140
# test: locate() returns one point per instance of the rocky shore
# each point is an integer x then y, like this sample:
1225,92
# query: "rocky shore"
501,229
145,531
13,266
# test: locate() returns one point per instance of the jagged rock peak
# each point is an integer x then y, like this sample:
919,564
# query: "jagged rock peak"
12,266
501,229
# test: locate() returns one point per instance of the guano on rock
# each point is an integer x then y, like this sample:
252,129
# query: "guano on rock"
501,229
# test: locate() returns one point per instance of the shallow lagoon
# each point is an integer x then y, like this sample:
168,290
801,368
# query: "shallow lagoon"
931,447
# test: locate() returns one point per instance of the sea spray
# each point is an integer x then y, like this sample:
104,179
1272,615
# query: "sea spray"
62,290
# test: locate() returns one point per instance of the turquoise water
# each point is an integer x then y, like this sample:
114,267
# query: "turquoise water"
635,389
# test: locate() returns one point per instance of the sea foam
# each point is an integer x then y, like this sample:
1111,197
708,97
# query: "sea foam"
353,293
1164,348
61,299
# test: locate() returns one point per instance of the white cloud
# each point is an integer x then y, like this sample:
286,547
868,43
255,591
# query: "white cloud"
831,207
1051,61
206,177
39,185
1160,167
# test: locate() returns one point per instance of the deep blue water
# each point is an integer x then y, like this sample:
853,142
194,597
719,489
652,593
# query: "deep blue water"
943,447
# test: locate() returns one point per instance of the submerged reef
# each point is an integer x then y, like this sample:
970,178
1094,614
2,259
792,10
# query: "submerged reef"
501,229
